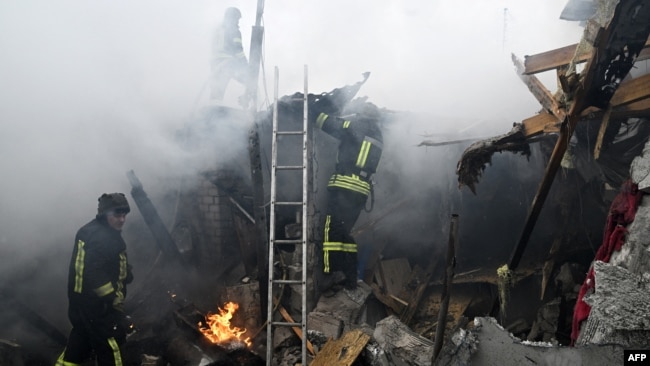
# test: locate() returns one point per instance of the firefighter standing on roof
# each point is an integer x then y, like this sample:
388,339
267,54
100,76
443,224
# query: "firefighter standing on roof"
228,58
348,189
98,275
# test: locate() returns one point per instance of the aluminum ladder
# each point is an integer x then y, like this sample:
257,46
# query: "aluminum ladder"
300,326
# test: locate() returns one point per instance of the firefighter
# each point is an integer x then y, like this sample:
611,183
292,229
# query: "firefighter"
97,279
228,58
359,152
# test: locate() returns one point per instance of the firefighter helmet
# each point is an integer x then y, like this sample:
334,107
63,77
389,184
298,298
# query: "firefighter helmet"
115,202
232,13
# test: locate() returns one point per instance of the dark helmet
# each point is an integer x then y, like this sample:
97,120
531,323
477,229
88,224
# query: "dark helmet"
115,202
232,13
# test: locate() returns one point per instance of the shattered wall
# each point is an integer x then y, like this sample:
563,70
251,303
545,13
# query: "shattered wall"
620,307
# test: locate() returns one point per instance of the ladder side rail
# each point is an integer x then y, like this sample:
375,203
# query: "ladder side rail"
274,156
305,163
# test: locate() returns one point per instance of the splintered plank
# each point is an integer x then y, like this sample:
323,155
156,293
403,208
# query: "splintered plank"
343,351
539,91
553,59
296,330
632,91
559,57
543,122
631,99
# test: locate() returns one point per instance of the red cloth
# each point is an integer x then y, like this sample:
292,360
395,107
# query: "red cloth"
621,214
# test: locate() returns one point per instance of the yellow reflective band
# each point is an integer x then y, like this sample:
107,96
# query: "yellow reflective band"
123,269
363,154
321,119
61,362
79,267
236,40
117,356
326,261
224,55
340,247
352,183
104,290
326,235
346,124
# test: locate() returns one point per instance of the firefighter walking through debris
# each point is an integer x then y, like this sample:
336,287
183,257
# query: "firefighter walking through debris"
359,152
98,274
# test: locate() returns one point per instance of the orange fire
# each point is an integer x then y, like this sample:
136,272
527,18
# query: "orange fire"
218,329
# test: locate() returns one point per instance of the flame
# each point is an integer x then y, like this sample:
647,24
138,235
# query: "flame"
218,329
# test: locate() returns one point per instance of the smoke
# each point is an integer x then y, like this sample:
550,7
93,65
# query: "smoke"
91,90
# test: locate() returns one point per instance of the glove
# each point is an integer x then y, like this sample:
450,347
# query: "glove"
122,327
321,104
324,104
126,325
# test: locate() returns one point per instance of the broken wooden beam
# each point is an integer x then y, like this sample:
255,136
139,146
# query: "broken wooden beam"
152,219
539,91
604,123
632,99
563,56
260,239
446,289
631,91
541,123
296,330
545,185
553,59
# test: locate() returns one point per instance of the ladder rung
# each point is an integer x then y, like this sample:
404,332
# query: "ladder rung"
289,167
288,282
288,241
287,324
290,132
288,203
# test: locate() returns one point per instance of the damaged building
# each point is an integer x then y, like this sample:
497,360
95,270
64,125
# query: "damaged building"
535,255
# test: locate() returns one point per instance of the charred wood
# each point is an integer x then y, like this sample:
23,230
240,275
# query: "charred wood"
479,154
153,220
449,277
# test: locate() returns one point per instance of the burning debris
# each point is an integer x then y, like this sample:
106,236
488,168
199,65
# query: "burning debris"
218,329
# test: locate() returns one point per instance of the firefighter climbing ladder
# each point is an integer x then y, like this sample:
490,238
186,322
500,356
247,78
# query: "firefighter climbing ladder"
300,327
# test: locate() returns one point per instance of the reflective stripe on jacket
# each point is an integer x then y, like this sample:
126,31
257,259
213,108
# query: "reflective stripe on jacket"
98,268
360,147
350,182
227,43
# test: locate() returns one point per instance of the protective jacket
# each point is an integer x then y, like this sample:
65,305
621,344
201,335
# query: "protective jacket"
227,43
360,148
99,272
358,156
